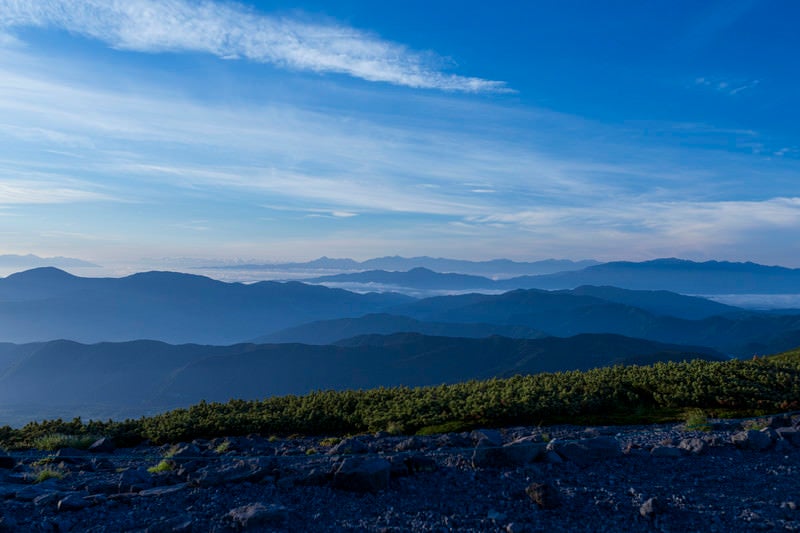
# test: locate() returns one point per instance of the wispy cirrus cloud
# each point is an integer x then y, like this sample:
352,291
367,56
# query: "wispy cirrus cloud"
232,31
729,87
46,192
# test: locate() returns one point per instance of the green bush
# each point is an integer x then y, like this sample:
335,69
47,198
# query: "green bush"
696,420
163,466
48,473
56,441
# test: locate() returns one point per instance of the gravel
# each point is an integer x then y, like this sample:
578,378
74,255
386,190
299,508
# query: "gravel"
662,478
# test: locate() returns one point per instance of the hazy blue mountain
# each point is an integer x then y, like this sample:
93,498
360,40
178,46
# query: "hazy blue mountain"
659,302
677,275
491,268
47,303
416,278
564,313
24,262
133,378
330,331
674,275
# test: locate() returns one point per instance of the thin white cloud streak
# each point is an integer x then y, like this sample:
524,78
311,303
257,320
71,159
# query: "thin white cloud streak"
8,41
689,223
44,135
230,31
25,192
729,87
366,196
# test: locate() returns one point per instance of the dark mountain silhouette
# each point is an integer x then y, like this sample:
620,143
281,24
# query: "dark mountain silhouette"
677,275
564,313
47,303
330,331
133,378
494,267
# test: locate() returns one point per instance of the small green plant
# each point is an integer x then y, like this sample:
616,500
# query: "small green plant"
44,461
163,466
223,446
311,451
696,420
453,426
48,473
330,441
56,441
273,438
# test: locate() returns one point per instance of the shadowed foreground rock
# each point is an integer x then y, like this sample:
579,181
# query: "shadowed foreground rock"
639,479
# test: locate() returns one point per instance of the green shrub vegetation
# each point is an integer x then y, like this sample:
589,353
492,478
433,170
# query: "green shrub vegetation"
223,446
615,395
56,441
696,420
163,466
48,473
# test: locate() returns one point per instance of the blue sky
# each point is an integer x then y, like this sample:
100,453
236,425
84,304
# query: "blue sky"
138,131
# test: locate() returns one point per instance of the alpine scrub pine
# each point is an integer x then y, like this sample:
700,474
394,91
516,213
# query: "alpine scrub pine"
615,395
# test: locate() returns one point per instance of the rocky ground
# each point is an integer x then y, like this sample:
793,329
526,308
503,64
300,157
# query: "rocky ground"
735,477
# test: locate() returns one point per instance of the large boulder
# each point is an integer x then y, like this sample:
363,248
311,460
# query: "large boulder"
790,435
586,452
362,474
218,474
544,495
181,453
752,439
694,446
134,480
670,452
73,502
259,516
517,453
349,446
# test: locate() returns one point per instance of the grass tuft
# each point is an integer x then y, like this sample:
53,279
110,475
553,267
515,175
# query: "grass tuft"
56,441
696,420
163,466
48,473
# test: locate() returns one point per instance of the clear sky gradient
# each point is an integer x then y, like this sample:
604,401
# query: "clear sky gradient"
135,129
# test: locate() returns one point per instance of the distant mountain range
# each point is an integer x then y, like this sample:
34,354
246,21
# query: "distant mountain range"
416,278
331,331
676,275
492,268
47,303
23,262
134,378
564,314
